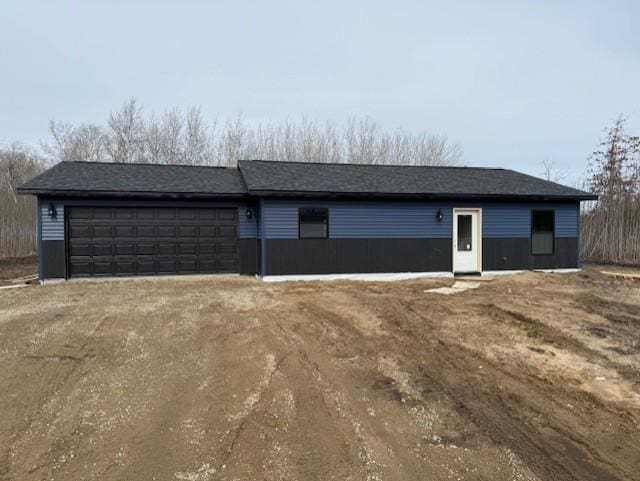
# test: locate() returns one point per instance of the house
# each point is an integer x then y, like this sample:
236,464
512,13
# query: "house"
286,218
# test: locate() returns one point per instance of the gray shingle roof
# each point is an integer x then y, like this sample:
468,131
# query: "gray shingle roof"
133,179
259,177
267,177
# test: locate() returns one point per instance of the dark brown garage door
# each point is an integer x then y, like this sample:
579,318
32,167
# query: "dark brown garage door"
142,241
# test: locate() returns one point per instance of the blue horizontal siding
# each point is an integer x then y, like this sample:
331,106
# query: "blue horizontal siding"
380,219
514,220
247,228
51,229
352,220
567,221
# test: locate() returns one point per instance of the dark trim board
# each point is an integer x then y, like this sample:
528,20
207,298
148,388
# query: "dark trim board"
342,256
53,259
514,253
249,256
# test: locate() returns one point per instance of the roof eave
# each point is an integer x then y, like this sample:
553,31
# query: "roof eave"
417,195
110,193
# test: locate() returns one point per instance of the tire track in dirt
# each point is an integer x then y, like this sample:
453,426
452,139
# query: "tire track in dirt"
65,369
509,418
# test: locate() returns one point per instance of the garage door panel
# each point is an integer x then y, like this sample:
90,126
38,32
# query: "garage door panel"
107,241
79,268
145,249
227,231
226,214
166,213
228,265
207,265
227,247
188,231
166,231
145,231
167,250
167,266
124,213
101,232
102,249
190,249
77,232
207,214
188,265
144,213
207,231
79,212
80,250
187,214
207,248
123,268
146,267
125,249
124,231
102,268
102,213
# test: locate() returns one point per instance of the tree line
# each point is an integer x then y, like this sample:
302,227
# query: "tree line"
184,137
611,226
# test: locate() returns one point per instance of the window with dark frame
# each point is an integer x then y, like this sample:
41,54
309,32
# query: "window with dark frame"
542,232
313,223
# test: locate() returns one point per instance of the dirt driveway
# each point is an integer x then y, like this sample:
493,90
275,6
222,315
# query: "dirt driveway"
529,377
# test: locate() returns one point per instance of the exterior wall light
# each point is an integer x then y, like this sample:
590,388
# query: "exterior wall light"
440,215
248,213
53,213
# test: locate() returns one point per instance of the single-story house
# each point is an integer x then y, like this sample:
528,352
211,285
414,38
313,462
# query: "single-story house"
287,218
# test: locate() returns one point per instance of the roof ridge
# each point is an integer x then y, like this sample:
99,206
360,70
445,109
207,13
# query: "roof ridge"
151,164
301,162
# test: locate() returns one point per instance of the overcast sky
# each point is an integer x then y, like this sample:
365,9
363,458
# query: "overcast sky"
513,82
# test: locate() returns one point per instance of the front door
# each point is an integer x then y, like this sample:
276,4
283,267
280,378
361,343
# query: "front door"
467,240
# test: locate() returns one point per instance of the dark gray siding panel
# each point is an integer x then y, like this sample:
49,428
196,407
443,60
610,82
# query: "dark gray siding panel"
515,253
53,259
338,256
249,256
504,253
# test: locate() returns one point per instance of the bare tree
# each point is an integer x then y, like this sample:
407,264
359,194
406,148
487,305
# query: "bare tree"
177,138
552,172
611,227
196,149
17,213
85,142
126,130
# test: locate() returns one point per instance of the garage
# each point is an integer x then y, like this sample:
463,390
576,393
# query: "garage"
144,241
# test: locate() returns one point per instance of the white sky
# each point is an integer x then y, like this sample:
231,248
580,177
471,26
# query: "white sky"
513,82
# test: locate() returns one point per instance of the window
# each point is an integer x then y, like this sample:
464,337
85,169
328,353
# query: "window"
314,223
542,225
464,232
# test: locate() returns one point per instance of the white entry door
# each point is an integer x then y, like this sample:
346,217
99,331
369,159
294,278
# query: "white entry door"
467,240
